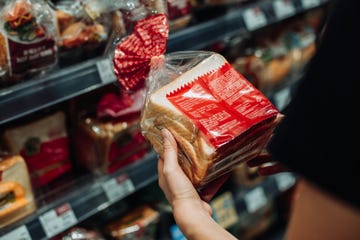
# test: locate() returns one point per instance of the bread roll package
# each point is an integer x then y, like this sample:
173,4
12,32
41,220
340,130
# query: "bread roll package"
218,118
16,194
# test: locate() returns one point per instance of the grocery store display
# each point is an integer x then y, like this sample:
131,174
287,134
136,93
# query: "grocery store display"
101,133
218,118
16,195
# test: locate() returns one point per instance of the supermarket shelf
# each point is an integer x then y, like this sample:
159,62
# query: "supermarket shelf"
63,84
88,197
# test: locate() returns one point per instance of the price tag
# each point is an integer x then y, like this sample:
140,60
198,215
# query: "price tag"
310,3
255,199
284,8
20,233
282,98
224,210
284,181
254,18
58,220
106,71
119,187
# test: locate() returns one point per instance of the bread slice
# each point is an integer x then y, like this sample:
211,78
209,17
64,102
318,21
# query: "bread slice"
199,150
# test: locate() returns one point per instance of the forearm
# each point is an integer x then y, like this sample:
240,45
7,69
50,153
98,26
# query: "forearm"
196,223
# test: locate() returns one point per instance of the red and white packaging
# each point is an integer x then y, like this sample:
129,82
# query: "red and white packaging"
44,144
218,118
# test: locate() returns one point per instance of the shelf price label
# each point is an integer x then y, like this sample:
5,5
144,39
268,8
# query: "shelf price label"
105,70
20,233
284,181
283,8
255,199
254,18
118,187
224,210
57,220
310,3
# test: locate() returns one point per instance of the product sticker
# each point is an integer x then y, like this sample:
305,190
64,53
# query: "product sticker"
57,220
254,18
224,210
20,233
255,199
223,104
310,3
283,8
118,187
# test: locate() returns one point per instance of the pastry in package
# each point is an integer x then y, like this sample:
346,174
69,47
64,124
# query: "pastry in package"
44,144
27,37
107,134
16,194
218,118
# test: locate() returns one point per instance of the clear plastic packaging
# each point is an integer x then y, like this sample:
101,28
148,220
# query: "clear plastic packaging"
44,144
27,40
218,118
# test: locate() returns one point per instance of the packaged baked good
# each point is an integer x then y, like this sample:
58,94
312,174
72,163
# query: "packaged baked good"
81,36
138,224
16,194
44,144
106,132
180,13
218,118
27,33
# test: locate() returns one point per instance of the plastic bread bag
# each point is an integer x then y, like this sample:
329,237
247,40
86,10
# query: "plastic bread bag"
218,118
27,40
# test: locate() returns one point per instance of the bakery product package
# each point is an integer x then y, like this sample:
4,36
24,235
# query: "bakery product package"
218,118
16,194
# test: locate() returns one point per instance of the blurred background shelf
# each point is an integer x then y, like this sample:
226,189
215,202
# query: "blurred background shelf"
63,84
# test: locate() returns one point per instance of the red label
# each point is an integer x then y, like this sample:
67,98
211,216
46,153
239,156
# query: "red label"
26,57
222,104
122,153
50,162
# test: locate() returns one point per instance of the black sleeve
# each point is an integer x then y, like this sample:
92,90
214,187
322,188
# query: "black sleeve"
318,138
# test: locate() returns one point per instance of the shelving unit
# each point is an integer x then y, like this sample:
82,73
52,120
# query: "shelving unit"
90,194
64,84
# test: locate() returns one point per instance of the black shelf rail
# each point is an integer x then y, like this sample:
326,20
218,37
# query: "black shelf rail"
63,84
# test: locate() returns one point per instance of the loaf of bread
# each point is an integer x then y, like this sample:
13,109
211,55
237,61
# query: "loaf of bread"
16,195
218,118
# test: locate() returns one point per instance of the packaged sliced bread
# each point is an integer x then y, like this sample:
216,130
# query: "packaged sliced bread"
218,118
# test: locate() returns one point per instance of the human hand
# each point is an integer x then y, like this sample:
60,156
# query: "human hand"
176,186
266,165
192,214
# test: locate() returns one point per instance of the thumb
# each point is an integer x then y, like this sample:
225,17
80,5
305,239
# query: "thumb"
170,150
